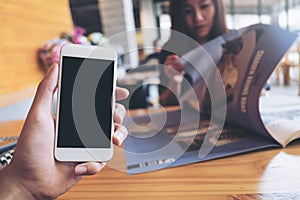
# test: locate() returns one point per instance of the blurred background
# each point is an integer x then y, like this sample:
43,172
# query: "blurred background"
28,25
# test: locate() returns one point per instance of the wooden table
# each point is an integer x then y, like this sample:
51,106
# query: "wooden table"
259,175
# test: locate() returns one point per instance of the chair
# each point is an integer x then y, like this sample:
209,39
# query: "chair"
291,59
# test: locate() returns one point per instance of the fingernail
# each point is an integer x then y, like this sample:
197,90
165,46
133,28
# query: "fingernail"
120,136
121,113
81,170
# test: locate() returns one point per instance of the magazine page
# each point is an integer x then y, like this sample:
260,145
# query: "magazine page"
281,117
245,59
167,139
155,144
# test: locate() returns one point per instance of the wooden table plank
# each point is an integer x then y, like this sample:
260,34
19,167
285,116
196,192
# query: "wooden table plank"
257,175
248,175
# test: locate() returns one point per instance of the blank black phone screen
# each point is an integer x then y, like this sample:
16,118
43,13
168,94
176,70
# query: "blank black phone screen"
85,105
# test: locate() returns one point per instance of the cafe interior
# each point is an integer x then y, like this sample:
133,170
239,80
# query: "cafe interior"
141,26
137,29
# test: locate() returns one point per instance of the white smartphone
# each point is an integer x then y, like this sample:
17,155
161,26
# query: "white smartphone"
85,105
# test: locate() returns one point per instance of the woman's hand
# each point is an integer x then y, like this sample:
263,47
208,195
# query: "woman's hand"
174,70
173,67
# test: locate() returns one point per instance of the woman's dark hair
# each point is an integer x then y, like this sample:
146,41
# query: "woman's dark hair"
177,13
179,24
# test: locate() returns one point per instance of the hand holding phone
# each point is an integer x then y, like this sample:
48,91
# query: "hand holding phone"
86,101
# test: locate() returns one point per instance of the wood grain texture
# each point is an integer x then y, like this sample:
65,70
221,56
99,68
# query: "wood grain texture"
11,128
25,26
14,97
268,174
258,175
248,176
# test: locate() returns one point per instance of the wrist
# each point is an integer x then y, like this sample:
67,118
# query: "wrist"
11,187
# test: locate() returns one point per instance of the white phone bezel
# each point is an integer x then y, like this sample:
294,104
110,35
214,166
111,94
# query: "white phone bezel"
85,154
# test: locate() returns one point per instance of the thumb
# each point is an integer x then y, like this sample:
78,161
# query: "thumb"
45,91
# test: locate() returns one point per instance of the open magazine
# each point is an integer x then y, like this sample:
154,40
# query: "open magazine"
217,121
